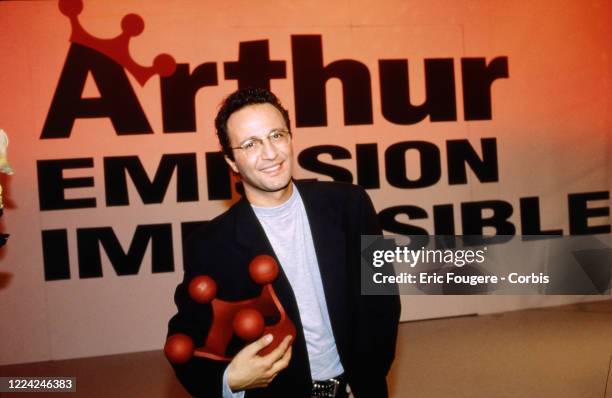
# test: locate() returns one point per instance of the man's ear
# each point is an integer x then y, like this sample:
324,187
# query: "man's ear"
231,164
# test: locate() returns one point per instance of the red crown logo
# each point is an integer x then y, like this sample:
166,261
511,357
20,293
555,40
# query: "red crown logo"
243,318
117,48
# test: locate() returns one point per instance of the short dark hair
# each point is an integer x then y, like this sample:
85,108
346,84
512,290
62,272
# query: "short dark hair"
238,100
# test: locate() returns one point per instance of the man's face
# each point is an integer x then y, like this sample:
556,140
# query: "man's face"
265,174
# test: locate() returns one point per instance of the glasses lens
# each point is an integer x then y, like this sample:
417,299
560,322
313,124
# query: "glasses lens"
252,145
280,136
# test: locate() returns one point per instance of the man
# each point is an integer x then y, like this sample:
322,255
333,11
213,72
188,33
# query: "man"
313,229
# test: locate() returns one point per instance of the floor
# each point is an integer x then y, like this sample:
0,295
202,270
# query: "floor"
552,352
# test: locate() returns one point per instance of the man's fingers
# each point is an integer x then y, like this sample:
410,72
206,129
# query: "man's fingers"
278,352
257,345
282,363
249,370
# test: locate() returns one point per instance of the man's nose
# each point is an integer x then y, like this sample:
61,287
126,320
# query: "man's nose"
268,150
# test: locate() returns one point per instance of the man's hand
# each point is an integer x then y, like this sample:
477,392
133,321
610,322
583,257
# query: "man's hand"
249,370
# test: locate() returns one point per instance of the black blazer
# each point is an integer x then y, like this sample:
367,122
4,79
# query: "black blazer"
364,327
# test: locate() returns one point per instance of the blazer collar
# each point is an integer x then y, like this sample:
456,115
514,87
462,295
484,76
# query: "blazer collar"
248,231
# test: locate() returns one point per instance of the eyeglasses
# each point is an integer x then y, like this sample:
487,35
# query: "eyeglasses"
254,145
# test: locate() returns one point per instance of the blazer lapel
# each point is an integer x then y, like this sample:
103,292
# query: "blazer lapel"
329,242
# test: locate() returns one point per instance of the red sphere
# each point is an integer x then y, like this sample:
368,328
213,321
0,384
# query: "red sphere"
202,289
179,348
248,324
263,269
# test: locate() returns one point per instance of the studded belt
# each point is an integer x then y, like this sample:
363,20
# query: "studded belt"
330,388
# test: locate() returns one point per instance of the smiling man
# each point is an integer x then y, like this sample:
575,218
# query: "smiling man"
313,229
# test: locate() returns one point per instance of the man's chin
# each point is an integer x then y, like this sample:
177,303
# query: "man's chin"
276,187
270,184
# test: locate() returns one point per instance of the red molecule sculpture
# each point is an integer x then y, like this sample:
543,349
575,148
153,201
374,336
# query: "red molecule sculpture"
243,318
